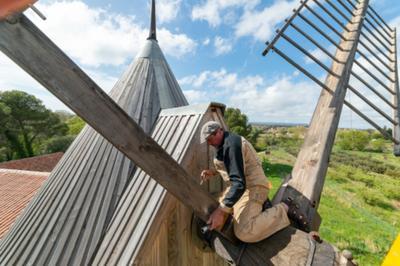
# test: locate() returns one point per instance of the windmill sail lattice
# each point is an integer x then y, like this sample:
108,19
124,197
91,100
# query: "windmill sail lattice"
320,24
345,26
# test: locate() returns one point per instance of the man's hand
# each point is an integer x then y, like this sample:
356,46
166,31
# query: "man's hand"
217,219
207,174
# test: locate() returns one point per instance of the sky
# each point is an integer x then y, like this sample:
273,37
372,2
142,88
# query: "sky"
213,47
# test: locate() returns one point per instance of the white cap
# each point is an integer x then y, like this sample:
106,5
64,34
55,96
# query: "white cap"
207,129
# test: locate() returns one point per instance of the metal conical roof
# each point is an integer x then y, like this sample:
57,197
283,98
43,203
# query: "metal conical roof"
68,218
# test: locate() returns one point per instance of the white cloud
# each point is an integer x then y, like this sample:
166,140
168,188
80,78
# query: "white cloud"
206,42
222,46
208,12
320,55
211,10
167,10
260,24
13,77
395,23
195,80
95,36
284,100
176,45
196,96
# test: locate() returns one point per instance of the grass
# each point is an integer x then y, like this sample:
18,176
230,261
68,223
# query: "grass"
360,202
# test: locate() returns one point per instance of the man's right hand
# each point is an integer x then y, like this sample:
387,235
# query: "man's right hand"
207,174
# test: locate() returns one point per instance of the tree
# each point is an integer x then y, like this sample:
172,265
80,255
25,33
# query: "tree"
5,150
237,121
57,144
75,125
63,115
27,122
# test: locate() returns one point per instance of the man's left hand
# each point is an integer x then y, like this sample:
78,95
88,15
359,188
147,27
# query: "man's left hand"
217,219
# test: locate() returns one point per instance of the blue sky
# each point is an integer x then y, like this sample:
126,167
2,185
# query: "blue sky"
213,46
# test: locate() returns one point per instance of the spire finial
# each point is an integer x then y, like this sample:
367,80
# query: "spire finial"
152,34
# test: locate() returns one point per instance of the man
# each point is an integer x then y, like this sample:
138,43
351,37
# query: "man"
238,164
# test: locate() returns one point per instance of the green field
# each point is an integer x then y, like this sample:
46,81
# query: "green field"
360,201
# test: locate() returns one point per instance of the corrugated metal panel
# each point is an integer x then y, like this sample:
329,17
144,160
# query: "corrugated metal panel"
66,221
141,201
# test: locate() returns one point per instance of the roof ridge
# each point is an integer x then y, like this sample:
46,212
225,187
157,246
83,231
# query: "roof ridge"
16,171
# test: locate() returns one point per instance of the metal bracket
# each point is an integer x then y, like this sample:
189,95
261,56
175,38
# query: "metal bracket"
303,204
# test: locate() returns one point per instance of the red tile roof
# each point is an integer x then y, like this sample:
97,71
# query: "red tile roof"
17,188
43,163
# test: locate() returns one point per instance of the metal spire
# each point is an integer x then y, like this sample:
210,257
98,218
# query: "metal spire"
152,33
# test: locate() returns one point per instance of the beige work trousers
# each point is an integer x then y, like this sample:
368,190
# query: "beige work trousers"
250,223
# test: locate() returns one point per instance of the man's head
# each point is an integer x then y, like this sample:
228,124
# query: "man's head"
213,133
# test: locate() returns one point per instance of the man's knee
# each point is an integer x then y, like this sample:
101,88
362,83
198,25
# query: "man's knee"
245,233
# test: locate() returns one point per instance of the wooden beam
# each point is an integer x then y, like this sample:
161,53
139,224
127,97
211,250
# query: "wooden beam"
309,171
394,85
32,50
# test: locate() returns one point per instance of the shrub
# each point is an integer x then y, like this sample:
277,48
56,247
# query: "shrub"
377,145
355,140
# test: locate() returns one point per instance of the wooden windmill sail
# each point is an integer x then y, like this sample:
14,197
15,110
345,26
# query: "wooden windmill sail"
362,29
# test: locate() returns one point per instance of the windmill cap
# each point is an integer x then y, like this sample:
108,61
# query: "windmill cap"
207,129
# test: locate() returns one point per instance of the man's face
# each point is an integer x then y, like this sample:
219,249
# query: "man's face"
216,138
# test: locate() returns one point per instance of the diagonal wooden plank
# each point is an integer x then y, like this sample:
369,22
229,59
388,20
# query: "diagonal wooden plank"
32,50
